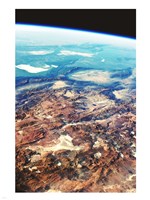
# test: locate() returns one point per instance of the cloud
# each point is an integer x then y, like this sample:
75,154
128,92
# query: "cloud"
37,53
103,60
96,76
71,53
54,66
31,69
50,66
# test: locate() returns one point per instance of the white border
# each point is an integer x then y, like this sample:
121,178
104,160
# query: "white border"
7,98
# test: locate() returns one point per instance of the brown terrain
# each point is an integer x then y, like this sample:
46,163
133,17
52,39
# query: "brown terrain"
70,140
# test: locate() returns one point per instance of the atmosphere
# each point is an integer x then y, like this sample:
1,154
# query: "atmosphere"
112,21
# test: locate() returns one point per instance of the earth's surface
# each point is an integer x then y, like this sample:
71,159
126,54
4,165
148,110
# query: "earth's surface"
75,111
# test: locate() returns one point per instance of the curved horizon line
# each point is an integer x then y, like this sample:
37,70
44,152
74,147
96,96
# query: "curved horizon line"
74,29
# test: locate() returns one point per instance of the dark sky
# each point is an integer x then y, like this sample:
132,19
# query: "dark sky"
114,21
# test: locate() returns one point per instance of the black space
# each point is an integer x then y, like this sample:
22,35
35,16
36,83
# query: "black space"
113,21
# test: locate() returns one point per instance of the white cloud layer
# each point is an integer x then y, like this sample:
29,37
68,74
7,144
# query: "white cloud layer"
31,69
72,53
37,53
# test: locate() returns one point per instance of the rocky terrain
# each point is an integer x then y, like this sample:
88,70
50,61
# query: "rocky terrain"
75,140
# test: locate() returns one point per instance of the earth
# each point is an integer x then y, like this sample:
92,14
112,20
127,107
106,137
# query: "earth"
75,111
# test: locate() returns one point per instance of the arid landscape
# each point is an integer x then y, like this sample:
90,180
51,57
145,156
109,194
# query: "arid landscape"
71,140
